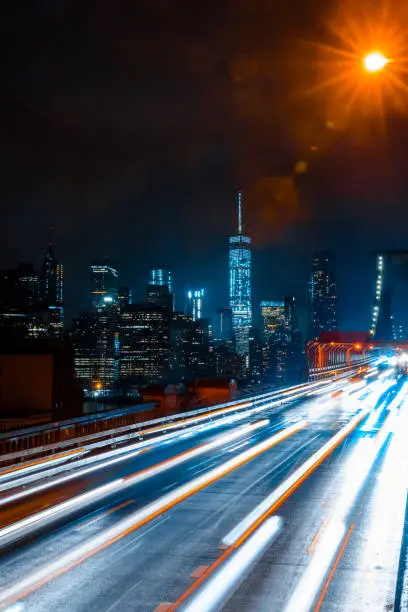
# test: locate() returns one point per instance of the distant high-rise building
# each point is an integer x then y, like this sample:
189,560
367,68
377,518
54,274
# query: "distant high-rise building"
256,358
194,305
95,338
160,289
87,358
276,338
240,285
180,344
28,283
273,316
53,292
52,278
144,343
399,330
295,366
125,297
225,329
322,294
103,285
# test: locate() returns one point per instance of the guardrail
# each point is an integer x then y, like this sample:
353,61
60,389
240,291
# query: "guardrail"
108,436
330,370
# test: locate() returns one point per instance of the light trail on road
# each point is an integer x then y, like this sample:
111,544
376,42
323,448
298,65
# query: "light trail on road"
146,544
34,521
137,519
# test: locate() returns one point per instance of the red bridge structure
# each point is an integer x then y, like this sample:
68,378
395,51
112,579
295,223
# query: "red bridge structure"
336,352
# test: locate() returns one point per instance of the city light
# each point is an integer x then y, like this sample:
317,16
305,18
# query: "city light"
363,71
375,61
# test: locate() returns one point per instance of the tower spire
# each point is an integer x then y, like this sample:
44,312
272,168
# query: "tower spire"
239,212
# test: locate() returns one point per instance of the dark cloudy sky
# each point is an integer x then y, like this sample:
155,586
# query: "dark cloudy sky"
130,125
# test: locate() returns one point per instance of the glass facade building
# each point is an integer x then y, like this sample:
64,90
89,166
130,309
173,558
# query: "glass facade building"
276,338
103,285
240,290
194,305
53,292
322,294
160,289
144,334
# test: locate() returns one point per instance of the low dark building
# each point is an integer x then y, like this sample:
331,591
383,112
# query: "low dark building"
38,378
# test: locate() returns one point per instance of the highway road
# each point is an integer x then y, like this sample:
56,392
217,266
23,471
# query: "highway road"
279,506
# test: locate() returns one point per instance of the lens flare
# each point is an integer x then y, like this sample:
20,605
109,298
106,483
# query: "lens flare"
362,66
375,61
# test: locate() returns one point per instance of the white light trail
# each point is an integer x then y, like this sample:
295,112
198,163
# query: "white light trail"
41,464
290,393
357,470
294,479
103,461
385,521
23,527
222,584
47,572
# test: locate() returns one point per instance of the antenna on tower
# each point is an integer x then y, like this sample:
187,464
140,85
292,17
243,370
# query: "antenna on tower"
239,212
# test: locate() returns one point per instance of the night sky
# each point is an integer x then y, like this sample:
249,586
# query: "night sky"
130,126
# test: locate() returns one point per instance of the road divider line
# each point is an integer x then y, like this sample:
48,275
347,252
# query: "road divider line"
51,570
252,522
334,537
104,514
230,575
290,484
333,571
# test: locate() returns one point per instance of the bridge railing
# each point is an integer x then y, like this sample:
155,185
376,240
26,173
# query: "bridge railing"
41,440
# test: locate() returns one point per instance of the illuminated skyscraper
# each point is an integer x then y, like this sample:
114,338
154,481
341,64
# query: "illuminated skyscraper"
240,285
276,338
160,289
103,287
323,294
53,291
194,305
125,296
145,343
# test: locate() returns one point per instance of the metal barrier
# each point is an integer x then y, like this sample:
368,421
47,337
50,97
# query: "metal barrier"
59,436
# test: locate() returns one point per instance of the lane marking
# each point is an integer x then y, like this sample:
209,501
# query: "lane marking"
104,515
235,542
122,597
199,571
333,571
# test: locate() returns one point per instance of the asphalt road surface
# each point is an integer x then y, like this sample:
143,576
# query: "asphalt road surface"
152,531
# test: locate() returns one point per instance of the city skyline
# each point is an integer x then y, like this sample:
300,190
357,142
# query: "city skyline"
208,306
310,181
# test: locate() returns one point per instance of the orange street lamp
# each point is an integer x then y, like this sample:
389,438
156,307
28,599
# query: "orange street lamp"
375,61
